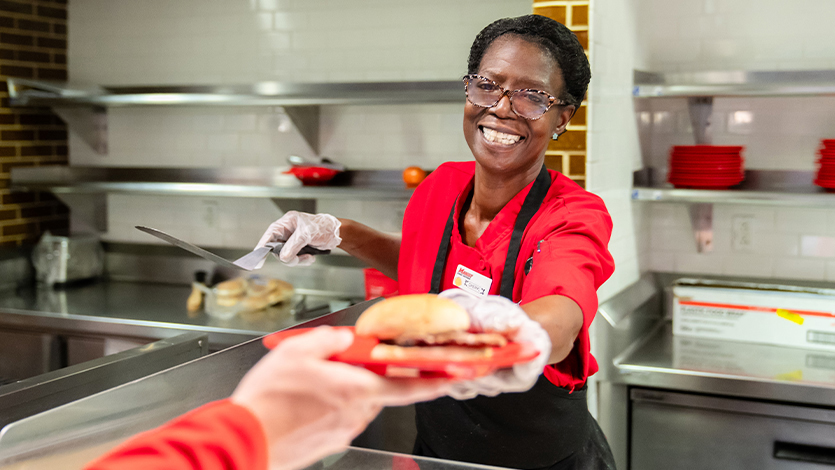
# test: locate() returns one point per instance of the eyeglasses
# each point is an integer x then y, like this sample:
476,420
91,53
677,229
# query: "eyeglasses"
527,103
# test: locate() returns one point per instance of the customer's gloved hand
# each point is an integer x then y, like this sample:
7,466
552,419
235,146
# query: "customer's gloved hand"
496,314
299,229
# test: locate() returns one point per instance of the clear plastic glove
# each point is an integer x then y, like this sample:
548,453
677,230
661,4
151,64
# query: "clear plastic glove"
299,229
496,314
311,407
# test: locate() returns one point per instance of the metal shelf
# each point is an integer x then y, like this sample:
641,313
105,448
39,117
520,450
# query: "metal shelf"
734,83
84,108
806,197
222,182
24,92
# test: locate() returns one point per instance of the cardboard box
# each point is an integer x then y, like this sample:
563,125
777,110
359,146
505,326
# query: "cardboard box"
756,313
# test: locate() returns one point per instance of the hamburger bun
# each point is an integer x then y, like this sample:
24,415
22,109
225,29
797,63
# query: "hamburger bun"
231,288
412,315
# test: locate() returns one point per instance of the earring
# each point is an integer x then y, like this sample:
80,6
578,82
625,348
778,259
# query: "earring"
555,136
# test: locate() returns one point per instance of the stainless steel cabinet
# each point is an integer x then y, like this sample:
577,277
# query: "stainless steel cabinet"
688,431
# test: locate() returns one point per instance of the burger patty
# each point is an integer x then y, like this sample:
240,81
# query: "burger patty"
457,338
389,352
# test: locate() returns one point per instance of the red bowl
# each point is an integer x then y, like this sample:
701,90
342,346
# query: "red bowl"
313,175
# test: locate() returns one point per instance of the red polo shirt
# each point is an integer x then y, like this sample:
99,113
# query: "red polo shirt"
567,239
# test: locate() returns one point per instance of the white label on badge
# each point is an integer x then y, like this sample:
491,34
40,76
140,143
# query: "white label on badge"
471,281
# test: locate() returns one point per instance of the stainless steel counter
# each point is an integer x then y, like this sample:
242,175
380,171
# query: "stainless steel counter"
662,360
141,404
635,348
144,310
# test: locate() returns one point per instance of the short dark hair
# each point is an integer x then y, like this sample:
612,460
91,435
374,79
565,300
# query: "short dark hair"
552,36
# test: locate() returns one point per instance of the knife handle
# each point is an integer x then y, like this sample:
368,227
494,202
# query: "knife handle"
307,250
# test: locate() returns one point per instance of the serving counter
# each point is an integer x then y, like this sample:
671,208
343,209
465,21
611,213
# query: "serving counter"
113,415
149,311
669,401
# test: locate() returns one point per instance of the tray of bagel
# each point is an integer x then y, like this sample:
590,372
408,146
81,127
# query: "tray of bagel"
245,296
422,335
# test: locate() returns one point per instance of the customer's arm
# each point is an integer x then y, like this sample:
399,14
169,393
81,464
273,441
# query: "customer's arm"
292,409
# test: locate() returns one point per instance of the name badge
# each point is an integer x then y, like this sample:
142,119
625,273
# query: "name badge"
471,281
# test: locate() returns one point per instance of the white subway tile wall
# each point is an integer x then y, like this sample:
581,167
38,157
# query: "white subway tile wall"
786,242
736,34
123,42
613,148
778,133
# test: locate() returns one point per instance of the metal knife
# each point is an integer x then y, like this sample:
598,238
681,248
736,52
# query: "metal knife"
246,262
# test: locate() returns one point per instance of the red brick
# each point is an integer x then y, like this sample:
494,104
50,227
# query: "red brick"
28,228
59,58
52,135
6,22
7,54
8,214
6,118
27,25
8,151
7,167
52,74
30,56
17,135
16,7
33,119
16,71
18,198
17,39
62,150
48,12
52,43
59,28
36,150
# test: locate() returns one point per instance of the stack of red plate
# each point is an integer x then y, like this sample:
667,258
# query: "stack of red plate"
706,166
826,170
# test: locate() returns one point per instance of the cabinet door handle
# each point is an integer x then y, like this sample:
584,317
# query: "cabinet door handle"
804,453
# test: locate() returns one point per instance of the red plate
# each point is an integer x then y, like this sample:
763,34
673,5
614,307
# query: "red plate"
359,354
707,149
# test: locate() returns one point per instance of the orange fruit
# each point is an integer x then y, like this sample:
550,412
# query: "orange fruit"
412,176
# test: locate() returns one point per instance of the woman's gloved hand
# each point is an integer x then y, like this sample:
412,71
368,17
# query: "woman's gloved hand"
311,407
496,314
299,229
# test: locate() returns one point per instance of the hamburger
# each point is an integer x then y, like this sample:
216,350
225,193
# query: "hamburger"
424,327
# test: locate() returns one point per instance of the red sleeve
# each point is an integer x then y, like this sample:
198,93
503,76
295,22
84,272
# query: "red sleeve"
217,436
574,261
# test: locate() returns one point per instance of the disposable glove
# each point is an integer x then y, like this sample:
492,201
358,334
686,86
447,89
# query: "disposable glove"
496,314
298,229
310,407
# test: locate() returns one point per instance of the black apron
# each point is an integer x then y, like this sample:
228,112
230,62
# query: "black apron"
545,427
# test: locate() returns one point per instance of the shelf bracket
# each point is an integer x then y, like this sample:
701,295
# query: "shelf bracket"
89,123
306,120
701,219
701,108
300,205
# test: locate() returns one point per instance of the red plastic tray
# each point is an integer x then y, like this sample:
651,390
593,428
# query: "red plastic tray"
359,354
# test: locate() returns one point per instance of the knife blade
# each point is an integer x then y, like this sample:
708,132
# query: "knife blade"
246,262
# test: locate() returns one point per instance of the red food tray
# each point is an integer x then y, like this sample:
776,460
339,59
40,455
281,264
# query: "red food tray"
359,354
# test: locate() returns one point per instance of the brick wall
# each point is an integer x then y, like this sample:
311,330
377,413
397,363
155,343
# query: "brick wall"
568,154
33,44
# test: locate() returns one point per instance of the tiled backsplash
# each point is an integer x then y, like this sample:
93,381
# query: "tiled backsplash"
119,42
613,151
782,242
699,35
779,133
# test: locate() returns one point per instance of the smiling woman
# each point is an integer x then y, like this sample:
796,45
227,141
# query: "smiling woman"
528,234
